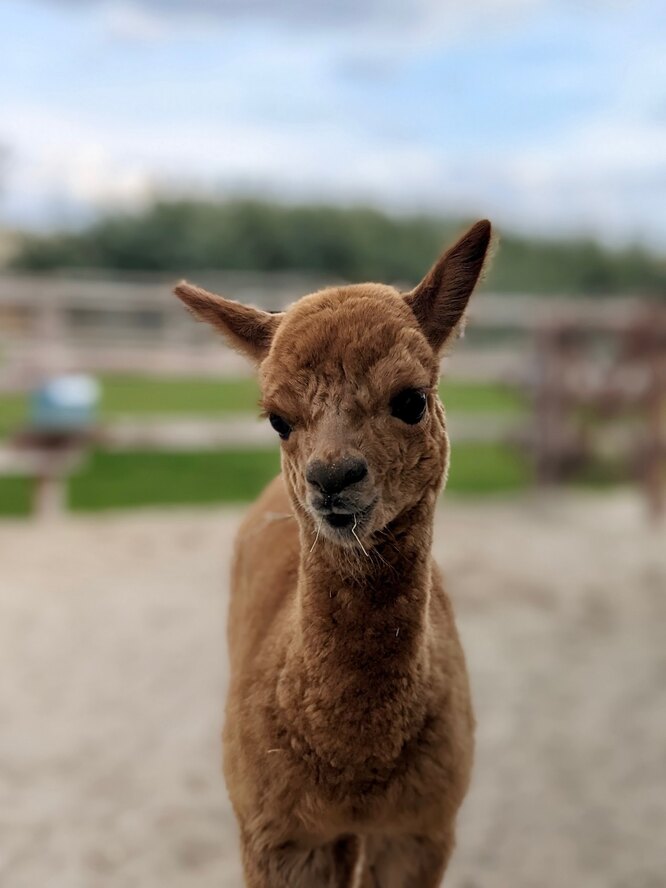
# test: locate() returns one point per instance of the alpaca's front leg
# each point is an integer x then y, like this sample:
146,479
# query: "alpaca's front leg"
413,862
293,866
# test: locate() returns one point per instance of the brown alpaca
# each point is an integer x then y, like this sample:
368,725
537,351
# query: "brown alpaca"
348,740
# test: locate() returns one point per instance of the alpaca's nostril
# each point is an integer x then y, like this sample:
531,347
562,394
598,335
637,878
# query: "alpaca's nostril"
336,476
354,470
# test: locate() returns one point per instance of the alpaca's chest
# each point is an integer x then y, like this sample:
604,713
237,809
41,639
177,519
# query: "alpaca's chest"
350,727
294,793
363,793
322,758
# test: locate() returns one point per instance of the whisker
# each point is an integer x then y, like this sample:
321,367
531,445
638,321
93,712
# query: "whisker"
316,536
383,560
356,537
390,538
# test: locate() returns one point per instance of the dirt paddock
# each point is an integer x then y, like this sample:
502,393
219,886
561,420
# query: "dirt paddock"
113,669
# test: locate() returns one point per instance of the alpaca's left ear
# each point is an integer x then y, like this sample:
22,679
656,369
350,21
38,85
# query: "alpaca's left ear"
440,300
249,330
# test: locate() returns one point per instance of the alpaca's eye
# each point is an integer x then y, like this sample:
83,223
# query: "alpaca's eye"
409,406
280,425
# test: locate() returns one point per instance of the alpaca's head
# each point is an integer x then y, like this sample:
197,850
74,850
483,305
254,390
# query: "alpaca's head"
349,383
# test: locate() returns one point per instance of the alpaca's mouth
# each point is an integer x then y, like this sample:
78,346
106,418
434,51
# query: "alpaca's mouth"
347,525
339,519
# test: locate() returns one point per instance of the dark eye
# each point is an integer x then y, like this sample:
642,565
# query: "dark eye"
409,406
280,425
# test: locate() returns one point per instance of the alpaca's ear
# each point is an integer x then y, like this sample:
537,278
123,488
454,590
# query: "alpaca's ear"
440,300
249,330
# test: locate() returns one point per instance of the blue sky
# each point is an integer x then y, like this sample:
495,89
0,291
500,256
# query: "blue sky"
548,116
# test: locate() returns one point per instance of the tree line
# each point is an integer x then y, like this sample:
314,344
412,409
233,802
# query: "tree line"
357,243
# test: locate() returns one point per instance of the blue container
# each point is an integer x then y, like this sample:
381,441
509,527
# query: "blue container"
65,403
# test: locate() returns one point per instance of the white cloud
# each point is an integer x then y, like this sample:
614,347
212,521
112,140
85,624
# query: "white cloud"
95,166
76,171
133,22
273,115
603,177
607,176
388,15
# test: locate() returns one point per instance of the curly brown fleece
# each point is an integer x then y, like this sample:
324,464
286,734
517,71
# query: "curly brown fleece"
348,740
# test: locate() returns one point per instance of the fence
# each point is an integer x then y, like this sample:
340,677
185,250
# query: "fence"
585,363
589,374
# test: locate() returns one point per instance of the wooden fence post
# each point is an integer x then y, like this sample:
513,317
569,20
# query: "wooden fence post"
655,405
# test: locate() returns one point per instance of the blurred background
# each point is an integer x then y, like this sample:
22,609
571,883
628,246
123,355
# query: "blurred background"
263,150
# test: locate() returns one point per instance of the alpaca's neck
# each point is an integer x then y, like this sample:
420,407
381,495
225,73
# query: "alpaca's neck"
359,654
362,601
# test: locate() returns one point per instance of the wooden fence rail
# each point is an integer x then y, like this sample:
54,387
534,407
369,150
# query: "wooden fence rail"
588,376
589,365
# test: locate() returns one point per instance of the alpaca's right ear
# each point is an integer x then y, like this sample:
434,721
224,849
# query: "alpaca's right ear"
440,300
249,330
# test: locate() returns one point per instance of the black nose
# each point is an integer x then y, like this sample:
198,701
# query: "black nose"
333,477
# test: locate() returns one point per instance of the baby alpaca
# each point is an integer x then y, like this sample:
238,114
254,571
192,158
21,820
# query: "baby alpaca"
348,740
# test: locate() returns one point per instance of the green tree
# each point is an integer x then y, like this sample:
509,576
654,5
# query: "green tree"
355,243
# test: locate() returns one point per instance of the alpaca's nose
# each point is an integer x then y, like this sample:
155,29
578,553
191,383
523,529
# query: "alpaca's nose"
335,476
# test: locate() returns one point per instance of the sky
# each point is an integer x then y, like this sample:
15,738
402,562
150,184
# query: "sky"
548,116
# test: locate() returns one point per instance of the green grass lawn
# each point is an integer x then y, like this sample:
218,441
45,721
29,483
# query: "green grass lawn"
141,478
488,468
152,397
129,394
13,411
123,395
15,497
482,397
134,478
145,478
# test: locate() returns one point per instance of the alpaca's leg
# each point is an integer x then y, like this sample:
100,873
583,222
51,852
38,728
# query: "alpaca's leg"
291,866
413,862
367,878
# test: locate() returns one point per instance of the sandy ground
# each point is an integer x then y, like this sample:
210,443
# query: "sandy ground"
112,670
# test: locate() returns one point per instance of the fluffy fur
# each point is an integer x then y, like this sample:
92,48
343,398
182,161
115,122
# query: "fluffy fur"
348,740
